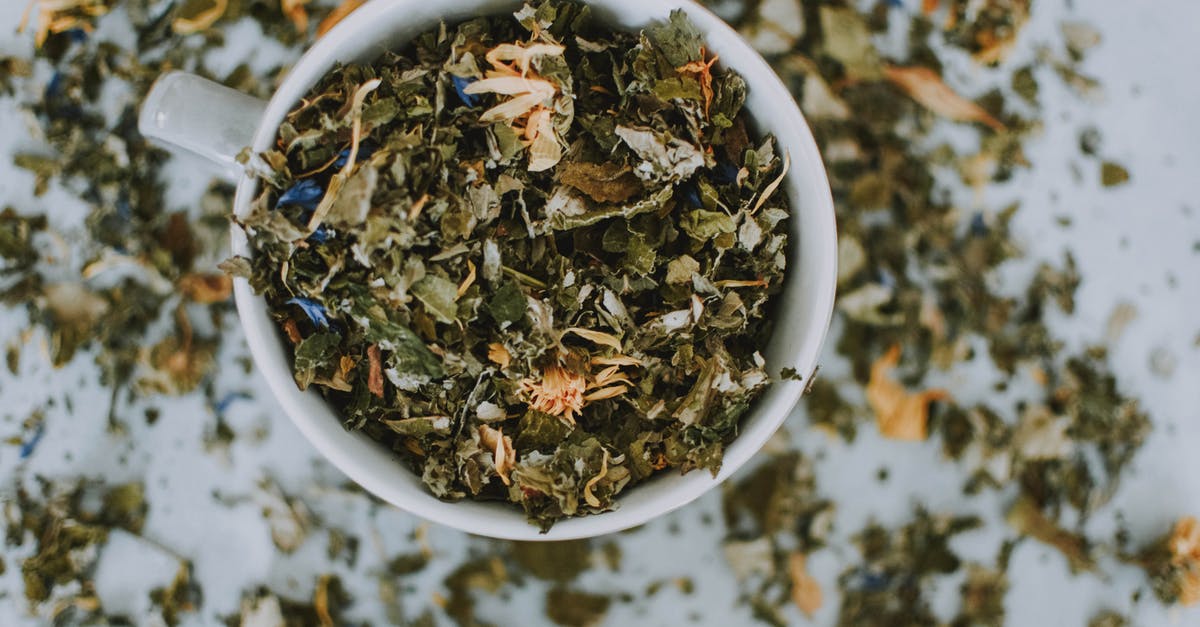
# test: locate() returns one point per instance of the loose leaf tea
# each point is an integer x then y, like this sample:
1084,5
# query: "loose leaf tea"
107,272
531,255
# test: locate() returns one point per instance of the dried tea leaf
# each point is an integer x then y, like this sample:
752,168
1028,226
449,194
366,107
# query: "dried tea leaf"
1026,518
847,39
573,608
1113,174
606,182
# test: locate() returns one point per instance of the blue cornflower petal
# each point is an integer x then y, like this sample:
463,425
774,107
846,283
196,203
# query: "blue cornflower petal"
979,228
30,444
53,87
314,310
725,172
460,84
223,405
365,150
691,194
306,194
874,582
319,236
887,279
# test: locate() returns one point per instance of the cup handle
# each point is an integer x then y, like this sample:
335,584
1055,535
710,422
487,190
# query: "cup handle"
183,111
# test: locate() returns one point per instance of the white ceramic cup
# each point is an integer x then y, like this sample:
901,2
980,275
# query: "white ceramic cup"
186,112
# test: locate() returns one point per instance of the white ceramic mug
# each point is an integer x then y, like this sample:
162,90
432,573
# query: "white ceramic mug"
190,113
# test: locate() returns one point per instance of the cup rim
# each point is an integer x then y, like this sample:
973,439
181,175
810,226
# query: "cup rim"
324,430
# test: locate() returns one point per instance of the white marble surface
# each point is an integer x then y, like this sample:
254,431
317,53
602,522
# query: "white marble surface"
1139,243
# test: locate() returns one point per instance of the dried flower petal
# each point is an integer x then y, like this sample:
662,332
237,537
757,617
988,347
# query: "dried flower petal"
701,70
294,10
587,488
375,375
1185,540
559,393
339,179
599,337
338,14
528,93
202,20
504,456
498,354
321,601
926,87
59,16
545,151
899,414
806,592
206,288
522,55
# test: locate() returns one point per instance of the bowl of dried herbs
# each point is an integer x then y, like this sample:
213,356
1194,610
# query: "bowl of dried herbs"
559,263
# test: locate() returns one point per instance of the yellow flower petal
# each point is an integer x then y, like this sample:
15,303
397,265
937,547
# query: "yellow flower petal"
498,354
504,456
185,26
587,488
545,152
522,55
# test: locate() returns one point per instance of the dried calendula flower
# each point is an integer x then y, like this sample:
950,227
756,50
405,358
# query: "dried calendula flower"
532,107
559,392
900,414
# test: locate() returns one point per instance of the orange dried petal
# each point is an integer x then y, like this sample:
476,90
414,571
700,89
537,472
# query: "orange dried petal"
375,374
294,10
187,26
338,14
806,591
504,456
499,355
587,488
900,415
926,87
1185,540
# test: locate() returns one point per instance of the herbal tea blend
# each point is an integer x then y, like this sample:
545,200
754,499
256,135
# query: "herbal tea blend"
123,338
532,255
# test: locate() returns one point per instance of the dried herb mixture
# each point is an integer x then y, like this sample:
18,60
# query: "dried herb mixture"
530,254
